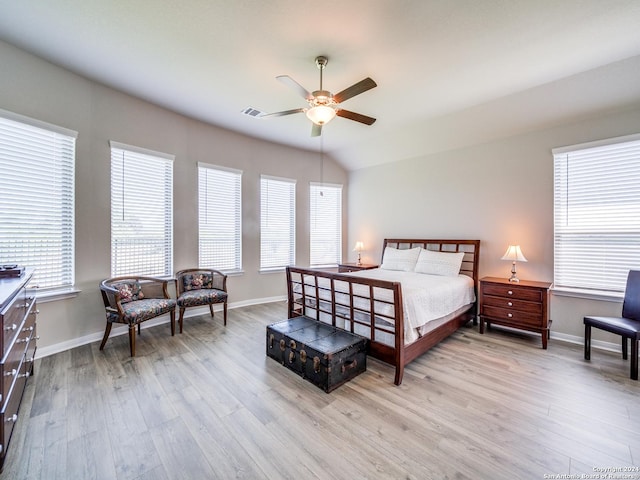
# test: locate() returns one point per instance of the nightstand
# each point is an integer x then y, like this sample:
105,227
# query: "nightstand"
354,267
523,305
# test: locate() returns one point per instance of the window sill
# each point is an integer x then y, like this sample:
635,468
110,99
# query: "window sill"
600,295
272,270
55,295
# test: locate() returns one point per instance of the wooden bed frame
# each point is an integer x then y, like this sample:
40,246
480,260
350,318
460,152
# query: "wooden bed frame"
312,300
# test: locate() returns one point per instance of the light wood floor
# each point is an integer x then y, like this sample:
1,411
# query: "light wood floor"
209,404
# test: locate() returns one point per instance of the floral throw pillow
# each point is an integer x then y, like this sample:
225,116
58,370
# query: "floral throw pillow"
129,291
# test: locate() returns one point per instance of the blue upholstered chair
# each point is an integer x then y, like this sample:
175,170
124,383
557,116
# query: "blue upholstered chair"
198,287
133,300
627,326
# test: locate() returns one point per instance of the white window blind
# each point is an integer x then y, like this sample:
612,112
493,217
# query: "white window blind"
597,214
141,212
325,215
37,199
220,218
277,222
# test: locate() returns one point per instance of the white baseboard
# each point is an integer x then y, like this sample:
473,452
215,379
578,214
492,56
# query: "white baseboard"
194,312
163,319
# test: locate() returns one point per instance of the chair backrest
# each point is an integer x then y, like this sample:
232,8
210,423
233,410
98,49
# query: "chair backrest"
196,281
631,305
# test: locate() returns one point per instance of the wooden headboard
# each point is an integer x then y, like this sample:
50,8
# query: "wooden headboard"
471,249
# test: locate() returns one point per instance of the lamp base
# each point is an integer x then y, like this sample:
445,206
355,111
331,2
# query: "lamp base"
513,273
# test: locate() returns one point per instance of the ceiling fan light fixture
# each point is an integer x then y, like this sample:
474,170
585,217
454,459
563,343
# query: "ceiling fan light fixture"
321,114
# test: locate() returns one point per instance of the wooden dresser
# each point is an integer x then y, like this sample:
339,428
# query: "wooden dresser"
18,346
523,305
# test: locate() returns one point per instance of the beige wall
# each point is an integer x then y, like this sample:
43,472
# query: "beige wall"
35,88
500,192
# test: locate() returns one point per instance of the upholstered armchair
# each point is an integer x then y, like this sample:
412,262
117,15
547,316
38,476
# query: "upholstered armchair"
201,286
133,300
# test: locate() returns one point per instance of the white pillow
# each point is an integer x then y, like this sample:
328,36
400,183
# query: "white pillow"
439,263
400,259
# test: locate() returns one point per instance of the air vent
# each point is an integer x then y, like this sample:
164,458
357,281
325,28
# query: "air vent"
252,112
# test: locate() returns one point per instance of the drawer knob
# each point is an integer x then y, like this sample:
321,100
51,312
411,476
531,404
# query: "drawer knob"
510,304
28,329
25,375
509,315
12,418
11,373
11,327
510,292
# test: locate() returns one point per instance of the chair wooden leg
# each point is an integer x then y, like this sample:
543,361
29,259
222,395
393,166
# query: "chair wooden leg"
138,329
634,359
225,314
587,342
107,331
132,338
182,309
624,348
211,308
172,314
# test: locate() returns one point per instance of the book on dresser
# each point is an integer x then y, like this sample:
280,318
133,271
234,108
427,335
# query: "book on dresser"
18,345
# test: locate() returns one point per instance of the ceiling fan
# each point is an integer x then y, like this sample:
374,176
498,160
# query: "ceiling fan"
323,105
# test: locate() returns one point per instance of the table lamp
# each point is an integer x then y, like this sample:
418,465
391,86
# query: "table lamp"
514,254
359,248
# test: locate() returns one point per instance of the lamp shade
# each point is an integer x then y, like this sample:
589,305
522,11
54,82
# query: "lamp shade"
321,114
359,247
514,254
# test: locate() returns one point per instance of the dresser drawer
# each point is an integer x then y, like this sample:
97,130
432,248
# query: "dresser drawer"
512,316
9,413
512,304
12,317
515,291
11,365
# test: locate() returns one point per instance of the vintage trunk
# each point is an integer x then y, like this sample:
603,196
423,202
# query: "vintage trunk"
326,356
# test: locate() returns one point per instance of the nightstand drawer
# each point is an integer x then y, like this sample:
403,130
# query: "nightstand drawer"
515,291
512,304
514,316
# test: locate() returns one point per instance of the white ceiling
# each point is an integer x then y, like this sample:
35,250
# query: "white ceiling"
450,72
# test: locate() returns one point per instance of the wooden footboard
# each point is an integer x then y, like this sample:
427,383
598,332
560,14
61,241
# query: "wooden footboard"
373,308
364,306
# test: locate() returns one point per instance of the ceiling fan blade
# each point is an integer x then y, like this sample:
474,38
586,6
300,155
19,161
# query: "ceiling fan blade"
283,113
290,82
316,130
355,89
358,117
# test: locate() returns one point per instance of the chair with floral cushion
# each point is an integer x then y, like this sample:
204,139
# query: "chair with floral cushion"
201,286
133,300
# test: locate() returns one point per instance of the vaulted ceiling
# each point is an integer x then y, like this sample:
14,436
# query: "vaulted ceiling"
450,73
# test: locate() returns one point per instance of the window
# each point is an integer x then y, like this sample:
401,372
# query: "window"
325,214
220,218
597,214
37,199
141,211
277,222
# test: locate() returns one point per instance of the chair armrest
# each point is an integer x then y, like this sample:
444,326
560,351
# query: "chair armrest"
219,280
153,287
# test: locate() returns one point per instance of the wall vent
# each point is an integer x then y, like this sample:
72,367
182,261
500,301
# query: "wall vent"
252,112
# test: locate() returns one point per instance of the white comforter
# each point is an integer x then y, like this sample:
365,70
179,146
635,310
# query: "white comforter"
425,297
